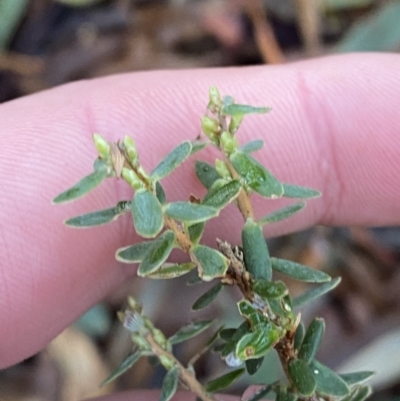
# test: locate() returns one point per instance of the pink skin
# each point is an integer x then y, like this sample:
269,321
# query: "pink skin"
335,126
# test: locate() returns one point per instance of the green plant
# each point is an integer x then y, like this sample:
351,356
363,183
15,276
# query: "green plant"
269,320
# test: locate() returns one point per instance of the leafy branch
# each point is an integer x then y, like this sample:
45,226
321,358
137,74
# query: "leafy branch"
269,319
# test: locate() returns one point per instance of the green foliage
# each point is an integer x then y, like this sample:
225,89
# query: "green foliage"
208,297
265,308
255,251
192,330
85,185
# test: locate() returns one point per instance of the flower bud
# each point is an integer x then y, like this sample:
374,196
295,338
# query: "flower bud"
215,99
131,178
235,122
102,146
222,168
228,142
130,149
211,128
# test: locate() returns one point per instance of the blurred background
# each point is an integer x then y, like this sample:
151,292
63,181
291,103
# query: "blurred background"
44,43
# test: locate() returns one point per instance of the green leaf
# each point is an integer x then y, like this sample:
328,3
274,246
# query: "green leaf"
133,253
295,191
157,253
251,313
358,394
226,334
190,213
380,32
328,382
206,173
194,280
208,297
356,377
240,332
160,193
100,217
126,364
189,331
252,365
172,161
258,343
298,271
282,214
170,384
302,377
242,109
299,336
195,232
224,381
256,176
252,146
213,263
147,214
314,293
224,195
269,289
197,146
85,185
312,340
172,270
285,395
255,251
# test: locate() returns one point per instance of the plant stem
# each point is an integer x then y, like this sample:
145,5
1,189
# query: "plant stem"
186,376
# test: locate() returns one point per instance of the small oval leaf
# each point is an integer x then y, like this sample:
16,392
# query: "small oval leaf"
170,384
126,364
224,381
298,271
256,176
85,185
195,232
314,293
170,162
239,333
189,331
282,214
252,365
212,263
160,193
252,146
100,217
224,195
302,377
208,297
133,253
312,340
356,377
255,251
258,343
197,146
171,270
190,213
206,173
270,289
235,109
328,382
299,336
157,253
295,191
147,214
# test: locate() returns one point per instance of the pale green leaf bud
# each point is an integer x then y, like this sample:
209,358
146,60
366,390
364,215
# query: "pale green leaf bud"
142,344
222,168
235,122
228,142
102,146
130,149
215,99
134,304
166,362
211,128
132,179
160,338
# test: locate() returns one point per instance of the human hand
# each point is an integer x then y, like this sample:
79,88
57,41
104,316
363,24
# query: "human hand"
334,127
